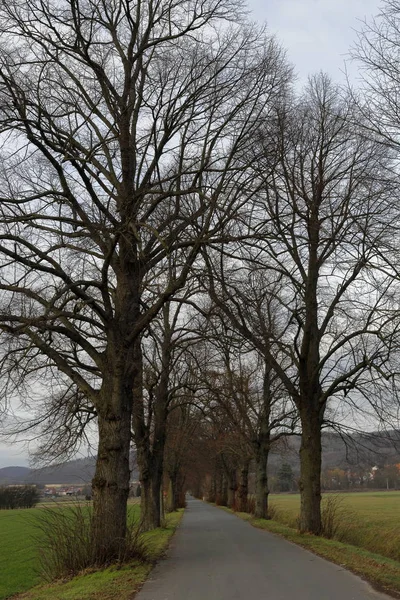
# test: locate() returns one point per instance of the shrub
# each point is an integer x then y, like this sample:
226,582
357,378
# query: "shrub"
18,496
332,515
64,538
273,512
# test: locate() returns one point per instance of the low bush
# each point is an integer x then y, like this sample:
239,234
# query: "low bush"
251,507
18,496
64,538
333,516
273,512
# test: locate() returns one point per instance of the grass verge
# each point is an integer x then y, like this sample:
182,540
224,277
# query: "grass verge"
381,572
368,520
114,582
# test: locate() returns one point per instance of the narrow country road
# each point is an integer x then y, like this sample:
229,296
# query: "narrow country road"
216,556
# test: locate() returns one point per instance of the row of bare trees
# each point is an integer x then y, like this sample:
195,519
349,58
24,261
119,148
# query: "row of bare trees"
125,128
184,239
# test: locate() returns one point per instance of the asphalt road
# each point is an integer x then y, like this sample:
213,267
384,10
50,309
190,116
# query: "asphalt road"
217,556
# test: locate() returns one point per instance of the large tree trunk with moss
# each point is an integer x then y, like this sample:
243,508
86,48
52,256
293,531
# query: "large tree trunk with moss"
111,480
310,401
262,492
111,486
150,502
243,491
310,472
150,463
114,411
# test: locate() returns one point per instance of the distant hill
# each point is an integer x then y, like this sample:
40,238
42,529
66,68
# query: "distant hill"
79,471
343,451
14,474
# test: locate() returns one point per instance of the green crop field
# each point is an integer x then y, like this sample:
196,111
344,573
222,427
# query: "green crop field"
369,520
19,566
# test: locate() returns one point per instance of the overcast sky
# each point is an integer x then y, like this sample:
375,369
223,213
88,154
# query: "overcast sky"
15,455
317,35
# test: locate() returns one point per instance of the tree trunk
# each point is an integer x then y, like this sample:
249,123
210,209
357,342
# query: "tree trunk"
224,491
150,517
181,491
149,506
309,403
149,502
173,480
243,487
111,481
310,472
261,510
150,463
232,488
218,483
177,493
122,368
212,495
150,453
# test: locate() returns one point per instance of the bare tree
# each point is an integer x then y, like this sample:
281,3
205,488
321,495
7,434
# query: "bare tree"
377,54
123,129
183,424
62,424
241,383
319,221
166,378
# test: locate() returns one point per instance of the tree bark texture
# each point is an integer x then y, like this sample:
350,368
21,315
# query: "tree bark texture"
232,488
150,448
222,489
212,495
177,491
262,448
310,473
262,492
309,403
111,480
243,491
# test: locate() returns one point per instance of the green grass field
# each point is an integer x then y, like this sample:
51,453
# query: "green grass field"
19,565
369,520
